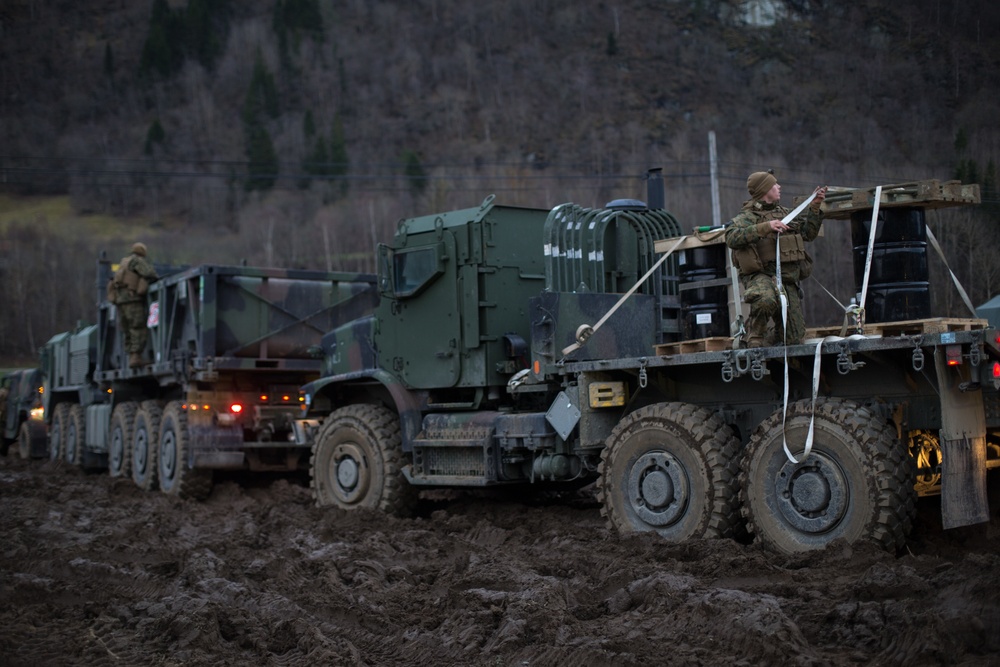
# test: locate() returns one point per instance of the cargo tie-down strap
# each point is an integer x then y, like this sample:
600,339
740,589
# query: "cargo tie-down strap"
857,310
585,331
784,330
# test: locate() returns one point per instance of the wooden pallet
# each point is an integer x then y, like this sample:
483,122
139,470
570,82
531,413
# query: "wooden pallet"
906,328
842,202
713,344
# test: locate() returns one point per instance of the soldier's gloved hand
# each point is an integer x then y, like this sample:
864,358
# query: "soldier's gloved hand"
820,196
778,226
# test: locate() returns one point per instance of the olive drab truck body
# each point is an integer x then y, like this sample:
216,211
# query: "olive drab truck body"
228,348
515,346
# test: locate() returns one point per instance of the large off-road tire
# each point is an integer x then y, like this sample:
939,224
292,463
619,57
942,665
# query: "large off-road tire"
57,432
24,441
856,484
174,475
120,439
31,439
76,435
145,441
671,468
357,462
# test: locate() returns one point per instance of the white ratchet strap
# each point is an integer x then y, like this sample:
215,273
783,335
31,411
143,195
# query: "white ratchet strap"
871,248
585,332
954,278
784,328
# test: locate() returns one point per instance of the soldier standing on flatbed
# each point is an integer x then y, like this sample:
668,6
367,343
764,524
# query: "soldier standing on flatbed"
754,236
128,292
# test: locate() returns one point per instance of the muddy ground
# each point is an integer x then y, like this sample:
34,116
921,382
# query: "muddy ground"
97,572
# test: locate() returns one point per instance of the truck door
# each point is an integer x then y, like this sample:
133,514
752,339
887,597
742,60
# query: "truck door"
421,340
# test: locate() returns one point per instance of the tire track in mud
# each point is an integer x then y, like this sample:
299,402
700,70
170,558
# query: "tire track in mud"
96,572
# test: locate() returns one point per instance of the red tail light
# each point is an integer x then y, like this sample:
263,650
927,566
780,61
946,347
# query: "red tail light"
236,408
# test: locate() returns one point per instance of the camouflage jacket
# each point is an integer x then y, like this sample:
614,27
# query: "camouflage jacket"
132,279
754,245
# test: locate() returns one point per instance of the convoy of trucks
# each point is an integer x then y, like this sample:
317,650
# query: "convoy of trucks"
508,346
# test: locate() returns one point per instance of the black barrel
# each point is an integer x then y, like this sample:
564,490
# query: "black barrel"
704,292
898,287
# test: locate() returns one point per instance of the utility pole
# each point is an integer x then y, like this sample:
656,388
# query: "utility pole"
714,165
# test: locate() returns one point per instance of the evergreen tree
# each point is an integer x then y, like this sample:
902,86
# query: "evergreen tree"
308,125
109,62
163,51
154,135
414,172
262,160
206,24
990,185
262,96
339,161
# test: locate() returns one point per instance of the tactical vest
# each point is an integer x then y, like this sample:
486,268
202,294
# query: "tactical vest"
754,258
126,277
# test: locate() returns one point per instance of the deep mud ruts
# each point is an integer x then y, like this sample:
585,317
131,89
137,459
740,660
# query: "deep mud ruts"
96,572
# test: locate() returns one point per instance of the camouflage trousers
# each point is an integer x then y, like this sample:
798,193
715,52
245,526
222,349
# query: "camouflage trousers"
760,291
132,318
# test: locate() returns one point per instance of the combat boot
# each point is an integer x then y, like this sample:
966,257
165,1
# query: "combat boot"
135,360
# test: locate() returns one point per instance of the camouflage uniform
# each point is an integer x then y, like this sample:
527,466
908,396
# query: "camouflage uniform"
753,244
130,299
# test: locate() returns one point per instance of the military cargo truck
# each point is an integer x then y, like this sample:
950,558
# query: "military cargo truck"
21,413
228,349
536,348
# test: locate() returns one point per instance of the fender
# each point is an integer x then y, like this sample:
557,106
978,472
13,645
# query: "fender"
405,402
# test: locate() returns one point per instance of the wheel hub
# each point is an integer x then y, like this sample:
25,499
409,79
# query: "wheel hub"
658,489
116,451
168,455
139,453
350,468
812,495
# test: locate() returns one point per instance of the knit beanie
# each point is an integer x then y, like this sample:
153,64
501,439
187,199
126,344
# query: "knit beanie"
760,183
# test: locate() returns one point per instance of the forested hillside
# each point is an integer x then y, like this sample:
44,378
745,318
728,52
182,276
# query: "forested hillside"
297,132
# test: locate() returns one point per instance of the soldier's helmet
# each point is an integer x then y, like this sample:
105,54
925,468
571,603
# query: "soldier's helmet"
139,249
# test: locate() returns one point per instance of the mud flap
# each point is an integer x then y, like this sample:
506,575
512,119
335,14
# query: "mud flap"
963,448
963,482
